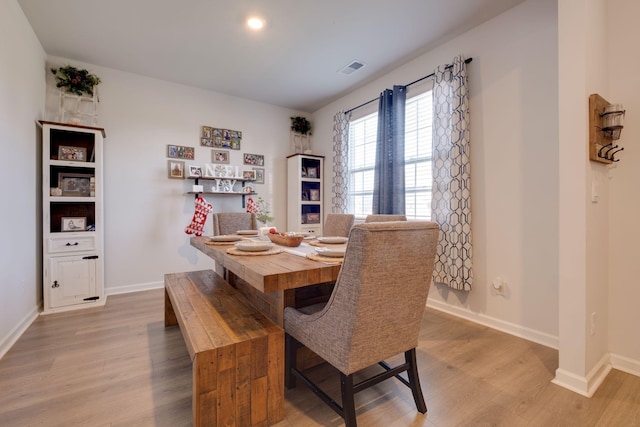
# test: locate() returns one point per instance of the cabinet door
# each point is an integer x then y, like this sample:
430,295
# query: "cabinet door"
72,280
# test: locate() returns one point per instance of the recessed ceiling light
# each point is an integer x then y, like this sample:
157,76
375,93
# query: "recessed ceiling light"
255,23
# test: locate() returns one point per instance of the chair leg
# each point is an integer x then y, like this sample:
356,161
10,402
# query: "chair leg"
414,380
348,400
290,357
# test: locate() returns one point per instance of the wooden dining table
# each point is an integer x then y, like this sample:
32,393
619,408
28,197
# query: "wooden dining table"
273,282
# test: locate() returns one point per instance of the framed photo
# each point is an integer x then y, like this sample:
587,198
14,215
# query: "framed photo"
180,152
305,195
313,218
74,223
314,194
176,169
312,172
303,172
259,175
195,171
75,154
251,175
220,156
75,184
253,159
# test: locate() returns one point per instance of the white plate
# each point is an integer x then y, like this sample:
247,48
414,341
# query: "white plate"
332,239
226,238
247,232
331,252
253,246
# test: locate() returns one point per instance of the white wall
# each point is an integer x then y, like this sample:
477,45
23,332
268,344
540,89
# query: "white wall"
21,104
623,65
145,212
514,139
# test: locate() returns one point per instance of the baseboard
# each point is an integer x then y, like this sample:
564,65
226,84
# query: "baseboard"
588,385
8,341
115,290
507,327
625,364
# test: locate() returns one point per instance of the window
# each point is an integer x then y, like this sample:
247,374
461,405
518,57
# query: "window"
362,157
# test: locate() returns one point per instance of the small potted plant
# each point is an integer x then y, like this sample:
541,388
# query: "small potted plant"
301,125
74,80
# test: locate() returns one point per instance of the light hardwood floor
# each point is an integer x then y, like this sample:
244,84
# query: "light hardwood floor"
119,366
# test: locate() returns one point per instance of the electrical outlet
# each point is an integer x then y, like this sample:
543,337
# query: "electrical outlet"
594,318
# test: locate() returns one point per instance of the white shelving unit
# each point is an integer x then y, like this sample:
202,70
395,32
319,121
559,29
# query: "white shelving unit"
305,212
72,218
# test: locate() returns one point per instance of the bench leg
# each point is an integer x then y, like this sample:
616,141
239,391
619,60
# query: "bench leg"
204,398
169,315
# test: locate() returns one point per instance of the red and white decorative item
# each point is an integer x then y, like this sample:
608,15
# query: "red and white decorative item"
203,208
252,207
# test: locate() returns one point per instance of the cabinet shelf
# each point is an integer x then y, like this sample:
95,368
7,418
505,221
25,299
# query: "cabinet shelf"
230,193
72,164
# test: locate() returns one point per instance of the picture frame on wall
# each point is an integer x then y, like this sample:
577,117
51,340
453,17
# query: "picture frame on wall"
259,175
314,195
220,156
181,152
253,159
74,154
249,175
175,169
194,171
75,223
75,184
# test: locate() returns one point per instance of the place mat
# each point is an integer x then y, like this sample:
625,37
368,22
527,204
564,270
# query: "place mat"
326,259
236,251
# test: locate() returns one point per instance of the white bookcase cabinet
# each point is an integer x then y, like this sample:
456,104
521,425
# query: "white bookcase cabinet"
305,212
72,217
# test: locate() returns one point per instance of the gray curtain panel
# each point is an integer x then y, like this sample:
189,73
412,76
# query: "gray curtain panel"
388,181
451,198
340,162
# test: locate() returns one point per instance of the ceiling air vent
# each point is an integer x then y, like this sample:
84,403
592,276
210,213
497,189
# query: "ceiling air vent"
352,67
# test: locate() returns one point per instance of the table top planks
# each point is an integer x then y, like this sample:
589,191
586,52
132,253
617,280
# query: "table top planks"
270,272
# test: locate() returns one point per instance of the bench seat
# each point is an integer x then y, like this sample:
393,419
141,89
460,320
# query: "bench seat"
237,353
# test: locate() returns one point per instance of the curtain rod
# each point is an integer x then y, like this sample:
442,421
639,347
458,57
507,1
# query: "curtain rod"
466,61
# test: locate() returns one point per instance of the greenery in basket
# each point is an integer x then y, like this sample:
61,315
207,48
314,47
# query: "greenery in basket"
75,80
301,125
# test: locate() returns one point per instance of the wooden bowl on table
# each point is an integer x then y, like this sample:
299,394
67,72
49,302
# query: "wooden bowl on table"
291,240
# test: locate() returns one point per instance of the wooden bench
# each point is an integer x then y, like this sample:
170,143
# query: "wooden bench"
237,353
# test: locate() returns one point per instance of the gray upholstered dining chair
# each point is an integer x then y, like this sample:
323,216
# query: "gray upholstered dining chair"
374,312
230,222
384,218
338,224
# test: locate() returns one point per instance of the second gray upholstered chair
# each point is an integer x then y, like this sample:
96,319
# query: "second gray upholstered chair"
384,218
230,222
374,312
338,224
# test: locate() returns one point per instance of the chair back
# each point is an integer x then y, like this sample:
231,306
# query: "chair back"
384,218
338,224
230,222
375,310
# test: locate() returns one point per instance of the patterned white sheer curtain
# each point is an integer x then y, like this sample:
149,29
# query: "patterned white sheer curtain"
451,198
340,187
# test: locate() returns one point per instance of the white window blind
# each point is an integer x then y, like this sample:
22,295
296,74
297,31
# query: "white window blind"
362,153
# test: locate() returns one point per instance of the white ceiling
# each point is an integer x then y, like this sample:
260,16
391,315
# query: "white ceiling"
293,62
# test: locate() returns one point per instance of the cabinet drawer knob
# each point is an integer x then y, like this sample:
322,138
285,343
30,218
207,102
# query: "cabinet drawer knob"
55,284
74,244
